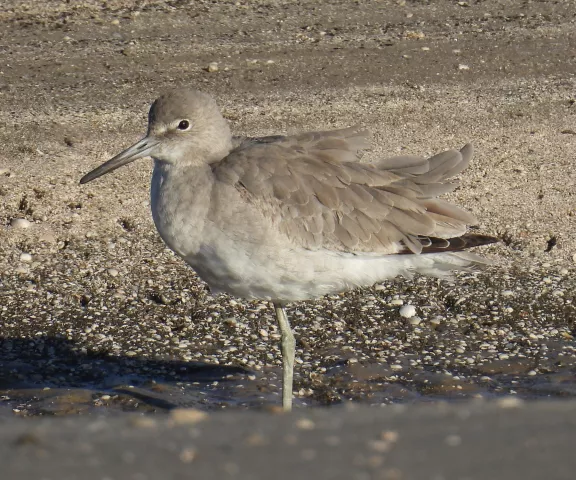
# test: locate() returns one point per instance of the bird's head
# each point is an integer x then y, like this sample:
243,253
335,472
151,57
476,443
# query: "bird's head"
185,127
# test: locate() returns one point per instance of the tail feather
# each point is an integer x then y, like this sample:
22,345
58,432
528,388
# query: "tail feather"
456,244
443,265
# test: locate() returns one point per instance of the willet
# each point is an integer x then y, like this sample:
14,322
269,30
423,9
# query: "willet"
290,218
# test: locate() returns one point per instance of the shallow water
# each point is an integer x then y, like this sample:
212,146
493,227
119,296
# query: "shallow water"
111,386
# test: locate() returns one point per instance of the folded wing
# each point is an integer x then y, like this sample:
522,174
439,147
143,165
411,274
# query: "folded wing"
319,196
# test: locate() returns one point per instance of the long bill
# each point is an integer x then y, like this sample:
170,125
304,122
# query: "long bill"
139,150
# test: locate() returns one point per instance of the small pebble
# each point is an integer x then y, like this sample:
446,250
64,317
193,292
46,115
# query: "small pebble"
231,321
187,416
415,321
212,67
510,402
436,320
305,424
463,67
408,311
20,223
128,51
47,238
390,436
112,272
25,258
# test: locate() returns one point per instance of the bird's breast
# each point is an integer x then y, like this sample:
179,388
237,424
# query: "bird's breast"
180,200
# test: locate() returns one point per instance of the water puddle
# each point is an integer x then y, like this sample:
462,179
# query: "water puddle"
81,385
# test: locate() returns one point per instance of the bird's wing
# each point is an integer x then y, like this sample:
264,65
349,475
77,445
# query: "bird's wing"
312,188
345,143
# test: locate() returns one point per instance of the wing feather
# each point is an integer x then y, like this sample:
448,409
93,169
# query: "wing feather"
311,186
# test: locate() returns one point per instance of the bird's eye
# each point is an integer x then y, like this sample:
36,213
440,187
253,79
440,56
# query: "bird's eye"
184,125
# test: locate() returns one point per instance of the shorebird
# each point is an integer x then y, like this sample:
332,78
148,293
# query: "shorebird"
291,218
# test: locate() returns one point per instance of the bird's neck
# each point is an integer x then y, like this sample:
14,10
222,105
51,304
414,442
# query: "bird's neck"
180,199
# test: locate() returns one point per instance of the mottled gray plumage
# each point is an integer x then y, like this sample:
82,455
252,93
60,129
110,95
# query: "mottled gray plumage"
320,197
287,218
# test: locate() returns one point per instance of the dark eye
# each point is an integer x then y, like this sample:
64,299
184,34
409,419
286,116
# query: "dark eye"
184,125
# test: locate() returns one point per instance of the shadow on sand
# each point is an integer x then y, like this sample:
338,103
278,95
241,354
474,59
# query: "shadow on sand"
50,375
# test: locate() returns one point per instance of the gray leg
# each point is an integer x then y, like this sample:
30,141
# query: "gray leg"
288,350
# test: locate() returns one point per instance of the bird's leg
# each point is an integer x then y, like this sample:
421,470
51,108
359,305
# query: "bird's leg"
288,350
